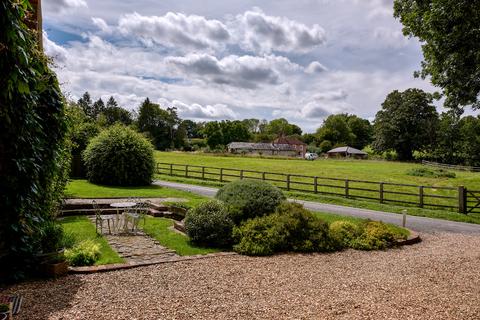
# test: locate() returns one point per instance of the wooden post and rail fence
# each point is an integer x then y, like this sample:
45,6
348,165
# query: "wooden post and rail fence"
458,199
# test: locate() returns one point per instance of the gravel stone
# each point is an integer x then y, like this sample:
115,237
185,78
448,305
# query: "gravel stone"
436,279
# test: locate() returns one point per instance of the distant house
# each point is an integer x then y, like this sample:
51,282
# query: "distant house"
347,152
280,147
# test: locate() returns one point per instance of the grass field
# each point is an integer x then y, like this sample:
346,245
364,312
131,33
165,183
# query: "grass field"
377,171
79,188
83,229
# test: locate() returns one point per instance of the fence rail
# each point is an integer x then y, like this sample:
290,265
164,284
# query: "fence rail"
452,198
450,166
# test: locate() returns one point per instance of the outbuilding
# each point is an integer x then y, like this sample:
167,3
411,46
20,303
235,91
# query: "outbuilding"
347,152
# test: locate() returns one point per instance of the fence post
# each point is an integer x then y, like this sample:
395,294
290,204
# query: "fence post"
203,173
241,174
420,196
315,184
186,171
346,189
288,182
171,169
462,199
221,174
263,176
381,192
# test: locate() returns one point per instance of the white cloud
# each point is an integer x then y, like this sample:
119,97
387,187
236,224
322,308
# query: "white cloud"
53,50
175,30
101,25
239,71
263,33
315,67
197,111
64,5
390,37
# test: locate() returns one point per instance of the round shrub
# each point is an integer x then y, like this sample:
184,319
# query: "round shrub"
86,253
345,232
119,156
376,235
250,198
210,224
290,228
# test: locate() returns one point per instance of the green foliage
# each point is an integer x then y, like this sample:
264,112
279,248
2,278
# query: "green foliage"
114,115
434,173
163,126
342,130
4,307
281,127
250,198
86,253
376,235
448,31
345,232
119,156
220,133
290,228
50,237
406,123
209,224
34,152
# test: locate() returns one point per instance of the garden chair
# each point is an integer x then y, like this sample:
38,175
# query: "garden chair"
138,213
99,219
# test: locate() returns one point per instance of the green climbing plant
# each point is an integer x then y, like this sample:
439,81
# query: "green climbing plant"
34,153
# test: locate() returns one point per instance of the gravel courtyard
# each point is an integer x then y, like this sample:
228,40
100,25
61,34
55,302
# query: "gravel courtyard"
436,279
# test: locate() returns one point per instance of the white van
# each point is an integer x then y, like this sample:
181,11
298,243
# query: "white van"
311,156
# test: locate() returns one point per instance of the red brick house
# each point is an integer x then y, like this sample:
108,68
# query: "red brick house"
299,146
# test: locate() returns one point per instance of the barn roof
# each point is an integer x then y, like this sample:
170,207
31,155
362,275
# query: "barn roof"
348,150
260,146
288,140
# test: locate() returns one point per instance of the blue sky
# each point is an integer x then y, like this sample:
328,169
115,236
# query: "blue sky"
302,59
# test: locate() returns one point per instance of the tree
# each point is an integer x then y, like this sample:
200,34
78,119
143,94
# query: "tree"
112,115
281,127
335,129
361,129
448,31
448,140
111,102
98,108
252,125
85,102
213,133
192,128
221,133
407,122
162,125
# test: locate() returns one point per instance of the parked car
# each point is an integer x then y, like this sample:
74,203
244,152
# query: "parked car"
311,156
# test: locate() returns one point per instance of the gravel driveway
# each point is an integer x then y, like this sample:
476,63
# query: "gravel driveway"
436,279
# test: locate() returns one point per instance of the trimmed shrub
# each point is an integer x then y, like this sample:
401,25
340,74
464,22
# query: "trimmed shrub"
345,232
86,253
376,235
250,198
119,156
209,224
290,228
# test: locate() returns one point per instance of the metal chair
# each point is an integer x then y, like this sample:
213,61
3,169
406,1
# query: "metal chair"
138,213
99,219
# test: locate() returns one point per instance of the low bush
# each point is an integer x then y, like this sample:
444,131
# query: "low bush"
50,237
210,224
375,235
431,173
86,253
345,232
250,198
119,156
290,228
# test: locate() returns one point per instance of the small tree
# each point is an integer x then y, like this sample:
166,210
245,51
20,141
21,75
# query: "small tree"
407,122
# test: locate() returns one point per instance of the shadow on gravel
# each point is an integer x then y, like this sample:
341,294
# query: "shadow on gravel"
42,298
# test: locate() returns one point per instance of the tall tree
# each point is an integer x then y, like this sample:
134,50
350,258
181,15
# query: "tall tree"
281,127
111,102
85,102
98,108
448,31
335,129
407,122
112,115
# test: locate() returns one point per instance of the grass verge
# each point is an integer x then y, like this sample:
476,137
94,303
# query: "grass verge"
80,188
160,229
83,229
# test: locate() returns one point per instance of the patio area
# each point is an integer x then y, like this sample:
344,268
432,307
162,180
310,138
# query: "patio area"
438,278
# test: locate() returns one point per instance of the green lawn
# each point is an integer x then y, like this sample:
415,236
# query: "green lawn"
84,189
395,172
159,229
83,229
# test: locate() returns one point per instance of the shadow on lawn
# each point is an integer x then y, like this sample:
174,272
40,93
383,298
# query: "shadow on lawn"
43,298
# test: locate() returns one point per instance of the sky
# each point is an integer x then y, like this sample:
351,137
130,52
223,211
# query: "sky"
214,59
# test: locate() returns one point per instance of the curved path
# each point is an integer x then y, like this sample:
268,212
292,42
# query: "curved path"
421,224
